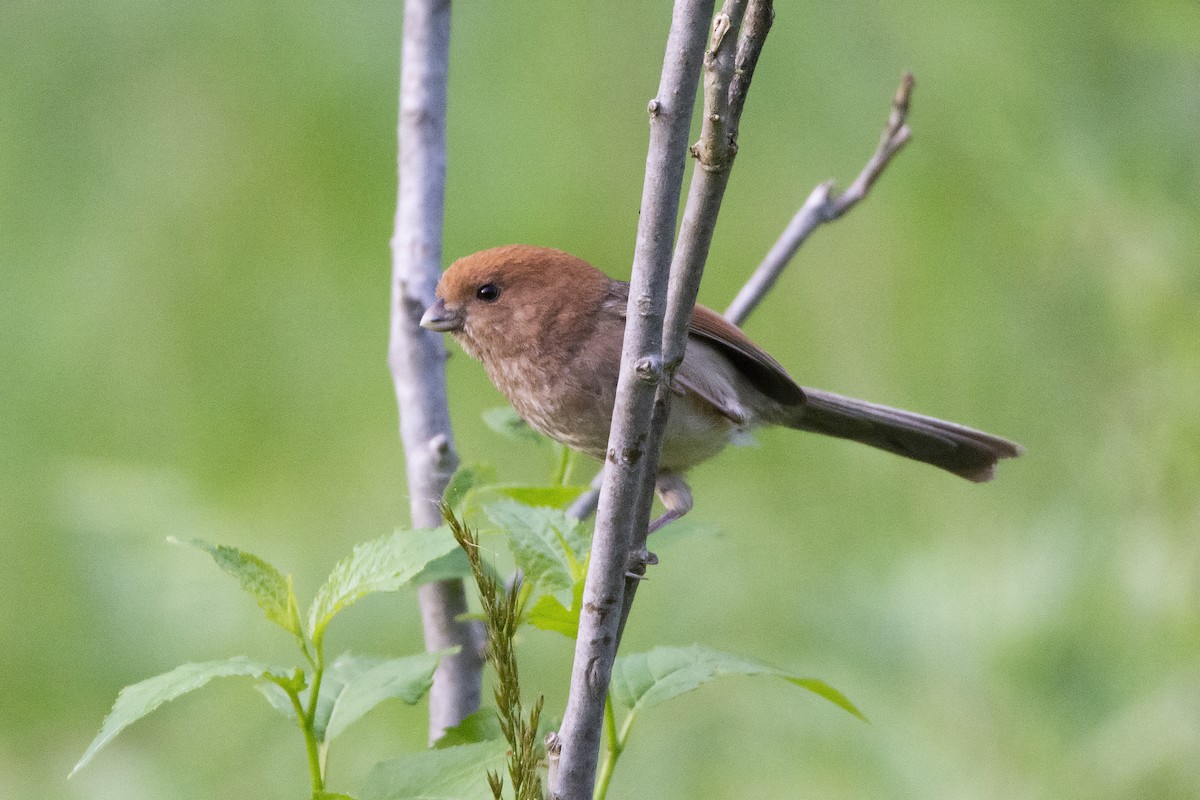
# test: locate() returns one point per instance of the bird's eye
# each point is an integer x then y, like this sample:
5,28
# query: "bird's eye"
488,292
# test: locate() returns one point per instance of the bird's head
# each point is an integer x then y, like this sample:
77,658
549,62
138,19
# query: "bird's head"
497,301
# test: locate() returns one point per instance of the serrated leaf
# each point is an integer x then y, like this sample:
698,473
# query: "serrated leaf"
547,545
139,699
452,565
465,481
508,423
549,614
380,565
545,496
455,773
482,726
367,682
270,588
353,685
644,680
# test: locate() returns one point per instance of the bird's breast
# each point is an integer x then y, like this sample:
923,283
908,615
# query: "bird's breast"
572,403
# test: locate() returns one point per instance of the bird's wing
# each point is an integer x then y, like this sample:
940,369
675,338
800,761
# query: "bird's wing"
764,372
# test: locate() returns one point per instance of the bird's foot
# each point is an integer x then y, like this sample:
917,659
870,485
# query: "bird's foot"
635,568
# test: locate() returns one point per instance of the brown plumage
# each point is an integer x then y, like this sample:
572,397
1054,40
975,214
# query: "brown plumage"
548,328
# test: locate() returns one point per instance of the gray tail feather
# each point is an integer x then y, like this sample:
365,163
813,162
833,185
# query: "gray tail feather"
966,452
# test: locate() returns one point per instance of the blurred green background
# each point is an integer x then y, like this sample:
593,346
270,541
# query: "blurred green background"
194,269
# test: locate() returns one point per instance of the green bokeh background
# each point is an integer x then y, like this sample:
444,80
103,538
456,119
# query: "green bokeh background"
194,268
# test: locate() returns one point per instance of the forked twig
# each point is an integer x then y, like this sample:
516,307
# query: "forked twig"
821,206
824,206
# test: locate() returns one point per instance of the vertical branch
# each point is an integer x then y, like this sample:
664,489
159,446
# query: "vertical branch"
417,356
728,45
630,464
756,24
760,14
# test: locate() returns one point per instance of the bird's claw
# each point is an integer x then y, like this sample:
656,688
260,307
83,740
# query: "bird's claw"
635,568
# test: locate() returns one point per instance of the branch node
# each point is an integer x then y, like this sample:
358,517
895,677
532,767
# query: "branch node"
595,680
628,455
654,107
720,27
649,369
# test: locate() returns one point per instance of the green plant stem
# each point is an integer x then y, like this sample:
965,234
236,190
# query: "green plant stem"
564,467
304,649
612,751
310,741
614,745
318,673
626,727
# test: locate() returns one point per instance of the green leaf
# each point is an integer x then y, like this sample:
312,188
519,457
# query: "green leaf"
644,680
482,726
452,565
547,545
270,589
353,685
465,481
330,796
506,422
367,682
139,699
545,496
549,614
455,773
380,565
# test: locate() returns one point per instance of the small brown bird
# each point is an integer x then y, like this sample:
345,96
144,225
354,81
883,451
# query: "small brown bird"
548,328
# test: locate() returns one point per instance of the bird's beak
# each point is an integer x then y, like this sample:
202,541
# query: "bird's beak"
440,318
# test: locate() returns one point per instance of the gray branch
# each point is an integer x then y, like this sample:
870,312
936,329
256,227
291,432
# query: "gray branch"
651,353
824,206
630,465
714,153
417,356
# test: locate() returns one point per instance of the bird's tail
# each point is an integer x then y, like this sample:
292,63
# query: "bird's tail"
966,452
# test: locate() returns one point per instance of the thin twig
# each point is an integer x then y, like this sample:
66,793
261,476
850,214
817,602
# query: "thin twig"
824,206
630,467
417,356
760,14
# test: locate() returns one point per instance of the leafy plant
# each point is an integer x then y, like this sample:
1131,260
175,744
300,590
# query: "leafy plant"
645,680
324,698
549,549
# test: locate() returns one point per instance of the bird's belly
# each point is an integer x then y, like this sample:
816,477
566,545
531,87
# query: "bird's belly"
576,410
695,433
